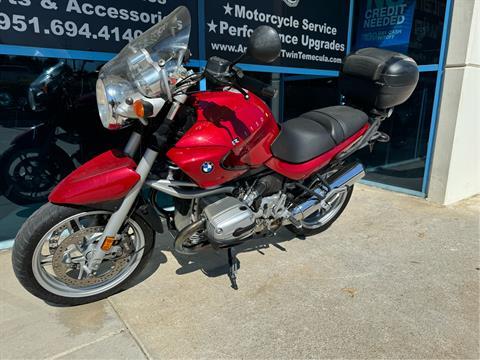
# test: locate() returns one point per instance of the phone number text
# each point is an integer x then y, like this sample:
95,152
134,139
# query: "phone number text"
69,28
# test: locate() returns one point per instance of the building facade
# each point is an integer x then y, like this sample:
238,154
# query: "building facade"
50,53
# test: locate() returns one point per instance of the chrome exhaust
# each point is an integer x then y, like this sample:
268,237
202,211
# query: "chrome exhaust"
337,183
186,233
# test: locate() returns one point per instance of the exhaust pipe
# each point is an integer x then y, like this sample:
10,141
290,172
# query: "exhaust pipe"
346,176
185,234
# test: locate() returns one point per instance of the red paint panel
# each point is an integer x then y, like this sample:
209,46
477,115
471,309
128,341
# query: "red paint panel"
226,118
190,160
304,170
227,125
107,177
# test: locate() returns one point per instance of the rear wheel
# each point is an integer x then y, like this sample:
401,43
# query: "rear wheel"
52,247
322,219
29,174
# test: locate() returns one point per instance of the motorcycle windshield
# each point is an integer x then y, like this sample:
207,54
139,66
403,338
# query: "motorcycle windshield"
147,63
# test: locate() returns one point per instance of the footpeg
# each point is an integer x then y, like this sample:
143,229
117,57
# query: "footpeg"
378,137
295,222
381,137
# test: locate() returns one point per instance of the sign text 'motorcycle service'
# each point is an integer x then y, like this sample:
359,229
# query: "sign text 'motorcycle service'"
313,33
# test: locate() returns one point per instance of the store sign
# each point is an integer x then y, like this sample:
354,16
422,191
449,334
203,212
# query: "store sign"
88,25
313,33
385,23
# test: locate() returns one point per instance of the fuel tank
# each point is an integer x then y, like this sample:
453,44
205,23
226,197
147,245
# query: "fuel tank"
231,135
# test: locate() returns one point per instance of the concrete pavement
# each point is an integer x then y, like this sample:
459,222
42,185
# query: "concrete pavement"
394,277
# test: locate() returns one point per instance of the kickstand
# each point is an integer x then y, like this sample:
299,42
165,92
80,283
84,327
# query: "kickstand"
232,271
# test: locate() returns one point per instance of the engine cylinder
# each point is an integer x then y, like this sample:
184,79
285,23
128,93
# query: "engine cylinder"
228,221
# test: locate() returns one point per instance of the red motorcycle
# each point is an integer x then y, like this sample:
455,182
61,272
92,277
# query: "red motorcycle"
230,172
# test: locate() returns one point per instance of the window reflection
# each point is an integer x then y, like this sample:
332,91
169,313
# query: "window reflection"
306,95
401,162
426,35
426,38
48,127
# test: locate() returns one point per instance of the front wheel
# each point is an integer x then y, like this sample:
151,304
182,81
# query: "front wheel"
52,247
322,219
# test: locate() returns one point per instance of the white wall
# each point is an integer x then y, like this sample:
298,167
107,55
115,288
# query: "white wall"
455,173
473,54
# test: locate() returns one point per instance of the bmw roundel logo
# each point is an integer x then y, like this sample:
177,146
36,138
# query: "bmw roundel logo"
207,167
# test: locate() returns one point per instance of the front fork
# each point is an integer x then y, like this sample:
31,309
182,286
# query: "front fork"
118,217
143,169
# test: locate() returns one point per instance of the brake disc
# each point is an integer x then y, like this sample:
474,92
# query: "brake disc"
68,271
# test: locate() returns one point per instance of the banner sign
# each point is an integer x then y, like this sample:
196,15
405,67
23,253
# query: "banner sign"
385,23
86,25
313,33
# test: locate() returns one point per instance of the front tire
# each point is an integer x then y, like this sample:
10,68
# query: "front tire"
61,223
322,220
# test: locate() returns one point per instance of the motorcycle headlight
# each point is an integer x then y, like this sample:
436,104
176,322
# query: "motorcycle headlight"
104,108
112,94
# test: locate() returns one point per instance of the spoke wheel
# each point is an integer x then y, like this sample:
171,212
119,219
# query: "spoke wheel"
53,247
59,261
322,219
29,174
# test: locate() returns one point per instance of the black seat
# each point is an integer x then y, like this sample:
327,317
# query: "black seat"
315,132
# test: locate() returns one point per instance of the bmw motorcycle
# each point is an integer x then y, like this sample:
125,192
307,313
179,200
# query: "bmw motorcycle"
214,167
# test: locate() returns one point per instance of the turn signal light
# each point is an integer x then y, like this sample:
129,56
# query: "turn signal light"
142,109
108,242
139,109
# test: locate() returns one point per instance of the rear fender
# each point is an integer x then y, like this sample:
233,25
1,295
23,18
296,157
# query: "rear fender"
104,179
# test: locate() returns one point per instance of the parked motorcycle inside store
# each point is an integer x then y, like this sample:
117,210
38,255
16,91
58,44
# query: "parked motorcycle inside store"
13,81
37,160
231,172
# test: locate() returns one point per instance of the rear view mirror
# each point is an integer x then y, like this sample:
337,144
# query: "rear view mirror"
264,44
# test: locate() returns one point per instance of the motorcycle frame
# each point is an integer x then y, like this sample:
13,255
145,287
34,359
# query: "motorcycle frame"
177,188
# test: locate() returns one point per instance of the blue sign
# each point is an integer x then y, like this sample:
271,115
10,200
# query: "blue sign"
385,24
313,33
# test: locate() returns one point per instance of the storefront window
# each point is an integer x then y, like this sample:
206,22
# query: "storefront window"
305,95
48,127
426,38
401,161
48,115
425,34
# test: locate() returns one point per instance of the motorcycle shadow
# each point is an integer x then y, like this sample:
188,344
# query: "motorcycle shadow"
214,263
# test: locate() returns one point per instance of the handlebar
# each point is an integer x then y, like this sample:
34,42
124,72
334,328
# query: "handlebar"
223,72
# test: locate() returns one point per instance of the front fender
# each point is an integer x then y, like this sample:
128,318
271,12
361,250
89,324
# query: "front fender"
105,178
